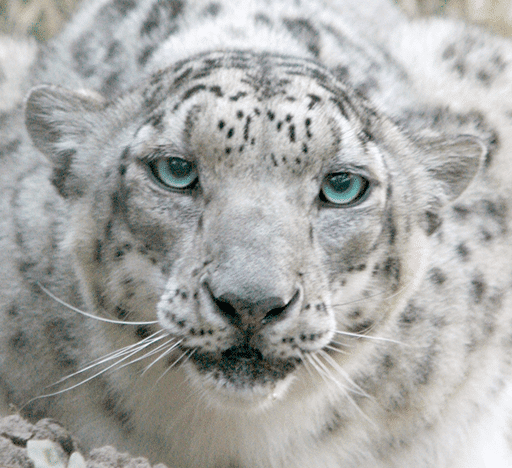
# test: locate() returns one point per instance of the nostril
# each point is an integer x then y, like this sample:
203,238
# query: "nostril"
229,312
279,312
249,314
273,315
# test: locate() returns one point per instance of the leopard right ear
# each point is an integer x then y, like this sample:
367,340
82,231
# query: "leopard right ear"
58,122
58,119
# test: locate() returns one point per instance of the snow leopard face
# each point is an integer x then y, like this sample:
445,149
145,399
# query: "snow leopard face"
254,206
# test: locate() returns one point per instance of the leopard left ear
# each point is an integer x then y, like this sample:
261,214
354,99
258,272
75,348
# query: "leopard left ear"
449,165
56,117
452,163
59,121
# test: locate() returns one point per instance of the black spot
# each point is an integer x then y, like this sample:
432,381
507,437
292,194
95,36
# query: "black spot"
98,251
460,68
124,6
9,147
113,51
449,52
111,83
279,125
217,91
263,19
360,327
424,368
61,337
239,115
19,341
112,406
182,78
291,132
156,120
341,72
304,31
238,95
411,314
433,222
462,212
387,362
274,160
231,132
493,146
483,76
271,116
437,276
12,311
213,9
194,90
463,251
221,124
142,332
288,118
246,128
162,13
478,288
392,269
228,150
121,313
314,100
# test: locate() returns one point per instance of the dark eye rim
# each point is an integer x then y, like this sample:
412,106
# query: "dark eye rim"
361,197
153,171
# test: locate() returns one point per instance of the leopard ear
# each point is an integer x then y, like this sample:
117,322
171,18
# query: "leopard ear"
452,163
58,122
449,165
57,118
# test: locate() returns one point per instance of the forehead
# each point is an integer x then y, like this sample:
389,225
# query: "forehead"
263,113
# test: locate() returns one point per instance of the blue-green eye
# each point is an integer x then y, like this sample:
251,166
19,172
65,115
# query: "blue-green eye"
343,188
176,173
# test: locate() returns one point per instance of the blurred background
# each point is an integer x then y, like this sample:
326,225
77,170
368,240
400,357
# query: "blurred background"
43,18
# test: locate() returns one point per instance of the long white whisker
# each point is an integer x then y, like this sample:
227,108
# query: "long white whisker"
336,350
374,296
170,342
369,337
347,391
87,314
173,364
338,369
172,346
114,355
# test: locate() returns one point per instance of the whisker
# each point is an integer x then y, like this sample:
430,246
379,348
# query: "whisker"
173,364
336,350
337,368
87,314
347,390
170,342
369,337
172,347
114,355
374,296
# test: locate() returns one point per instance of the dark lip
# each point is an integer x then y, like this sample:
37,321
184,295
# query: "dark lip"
243,367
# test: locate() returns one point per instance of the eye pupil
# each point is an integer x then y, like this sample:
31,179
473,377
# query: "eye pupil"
340,182
343,188
175,173
179,168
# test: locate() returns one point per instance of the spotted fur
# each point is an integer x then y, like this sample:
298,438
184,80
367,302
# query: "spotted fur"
254,321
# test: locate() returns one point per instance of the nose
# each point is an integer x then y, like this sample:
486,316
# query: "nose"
249,315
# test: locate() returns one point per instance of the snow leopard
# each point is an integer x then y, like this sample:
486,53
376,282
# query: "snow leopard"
253,234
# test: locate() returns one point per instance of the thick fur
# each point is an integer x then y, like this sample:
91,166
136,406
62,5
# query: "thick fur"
266,325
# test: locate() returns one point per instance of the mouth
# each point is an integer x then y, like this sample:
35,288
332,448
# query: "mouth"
244,367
